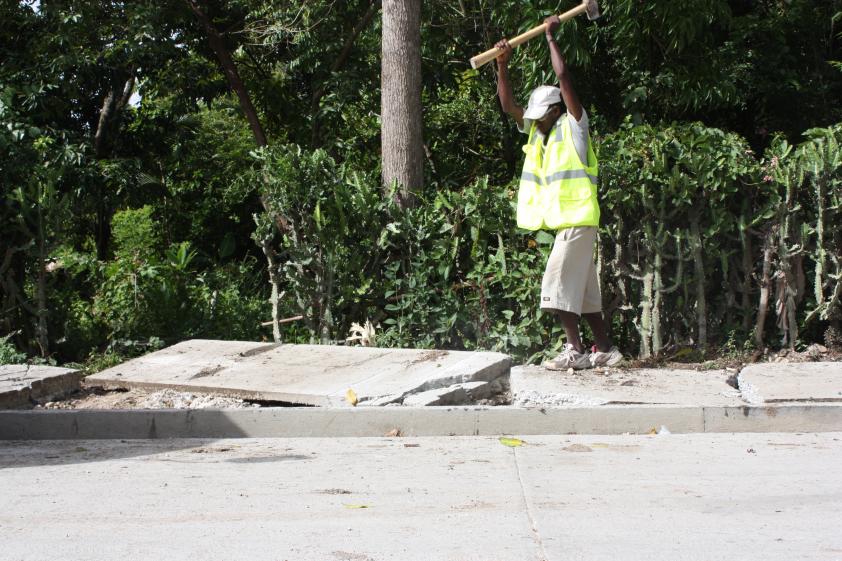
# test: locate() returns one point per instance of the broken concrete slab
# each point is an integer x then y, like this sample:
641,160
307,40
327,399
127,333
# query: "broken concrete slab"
533,386
457,394
302,374
779,382
20,385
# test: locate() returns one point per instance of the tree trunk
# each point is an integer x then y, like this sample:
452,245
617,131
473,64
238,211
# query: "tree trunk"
646,313
699,270
765,289
115,100
821,252
41,292
227,63
402,145
791,273
275,282
236,84
748,269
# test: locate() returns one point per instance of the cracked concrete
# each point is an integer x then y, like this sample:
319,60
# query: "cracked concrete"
21,385
321,375
305,374
457,394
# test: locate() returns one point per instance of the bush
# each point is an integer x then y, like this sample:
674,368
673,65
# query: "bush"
680,253
8,353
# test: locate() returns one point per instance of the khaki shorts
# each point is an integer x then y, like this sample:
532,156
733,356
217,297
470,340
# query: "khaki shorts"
570,283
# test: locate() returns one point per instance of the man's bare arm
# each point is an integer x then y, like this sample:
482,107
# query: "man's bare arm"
565,82
504,87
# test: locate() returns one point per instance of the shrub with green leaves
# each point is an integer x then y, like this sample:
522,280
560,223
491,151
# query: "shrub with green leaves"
680,252
8,353
671,212
136,233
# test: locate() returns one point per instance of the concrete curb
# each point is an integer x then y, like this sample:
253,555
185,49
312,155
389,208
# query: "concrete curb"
411,421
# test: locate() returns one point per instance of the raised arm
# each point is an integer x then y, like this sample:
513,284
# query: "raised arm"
565,82
504,87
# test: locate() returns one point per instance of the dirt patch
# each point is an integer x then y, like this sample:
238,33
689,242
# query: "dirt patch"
429,356
693,359
208,372
577,448
503,398
96,398
333,492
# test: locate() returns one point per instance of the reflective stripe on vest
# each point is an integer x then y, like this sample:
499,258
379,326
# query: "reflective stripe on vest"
556,189
566,174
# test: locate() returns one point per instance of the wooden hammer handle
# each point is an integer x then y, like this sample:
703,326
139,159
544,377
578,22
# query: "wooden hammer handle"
493,52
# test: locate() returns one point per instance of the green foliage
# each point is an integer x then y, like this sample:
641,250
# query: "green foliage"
817,167
135,233
8,353
119,226
331,244
429,275
101,361
673,199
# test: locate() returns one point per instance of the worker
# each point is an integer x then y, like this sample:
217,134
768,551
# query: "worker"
558,192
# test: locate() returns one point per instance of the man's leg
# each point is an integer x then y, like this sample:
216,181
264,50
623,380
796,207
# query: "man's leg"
562,292
573,355
592,310
570,324
599,330
606,353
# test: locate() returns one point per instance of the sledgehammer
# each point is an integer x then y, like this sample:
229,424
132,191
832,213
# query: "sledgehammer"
589,7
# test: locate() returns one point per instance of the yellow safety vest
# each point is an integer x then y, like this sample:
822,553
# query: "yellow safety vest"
556,189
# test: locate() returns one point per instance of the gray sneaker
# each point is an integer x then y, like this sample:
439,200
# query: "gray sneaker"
612,357
569,358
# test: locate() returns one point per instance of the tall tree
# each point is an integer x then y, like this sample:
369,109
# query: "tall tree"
217,43
401,126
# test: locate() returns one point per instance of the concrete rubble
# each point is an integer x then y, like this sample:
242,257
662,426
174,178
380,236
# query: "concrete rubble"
533,386
21,385
457,394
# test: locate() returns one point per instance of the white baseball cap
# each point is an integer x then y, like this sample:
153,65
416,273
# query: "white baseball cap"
540,101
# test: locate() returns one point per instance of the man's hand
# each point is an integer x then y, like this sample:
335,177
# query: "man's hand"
506,54
552,23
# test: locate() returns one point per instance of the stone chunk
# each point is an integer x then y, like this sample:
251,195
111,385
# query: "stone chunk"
20,385
457,394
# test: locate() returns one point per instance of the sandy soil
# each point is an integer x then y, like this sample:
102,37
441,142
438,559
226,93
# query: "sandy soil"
142,399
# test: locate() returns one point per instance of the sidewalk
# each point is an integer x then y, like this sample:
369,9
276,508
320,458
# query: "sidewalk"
556,498
803,397
765,383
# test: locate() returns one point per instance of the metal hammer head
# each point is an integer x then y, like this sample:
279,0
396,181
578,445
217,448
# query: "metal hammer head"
592,9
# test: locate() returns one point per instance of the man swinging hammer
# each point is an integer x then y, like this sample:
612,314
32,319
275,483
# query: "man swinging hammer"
558,192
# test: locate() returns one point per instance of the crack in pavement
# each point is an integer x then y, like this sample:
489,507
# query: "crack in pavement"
528,508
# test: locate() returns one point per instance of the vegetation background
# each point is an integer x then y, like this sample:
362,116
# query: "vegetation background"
139,206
